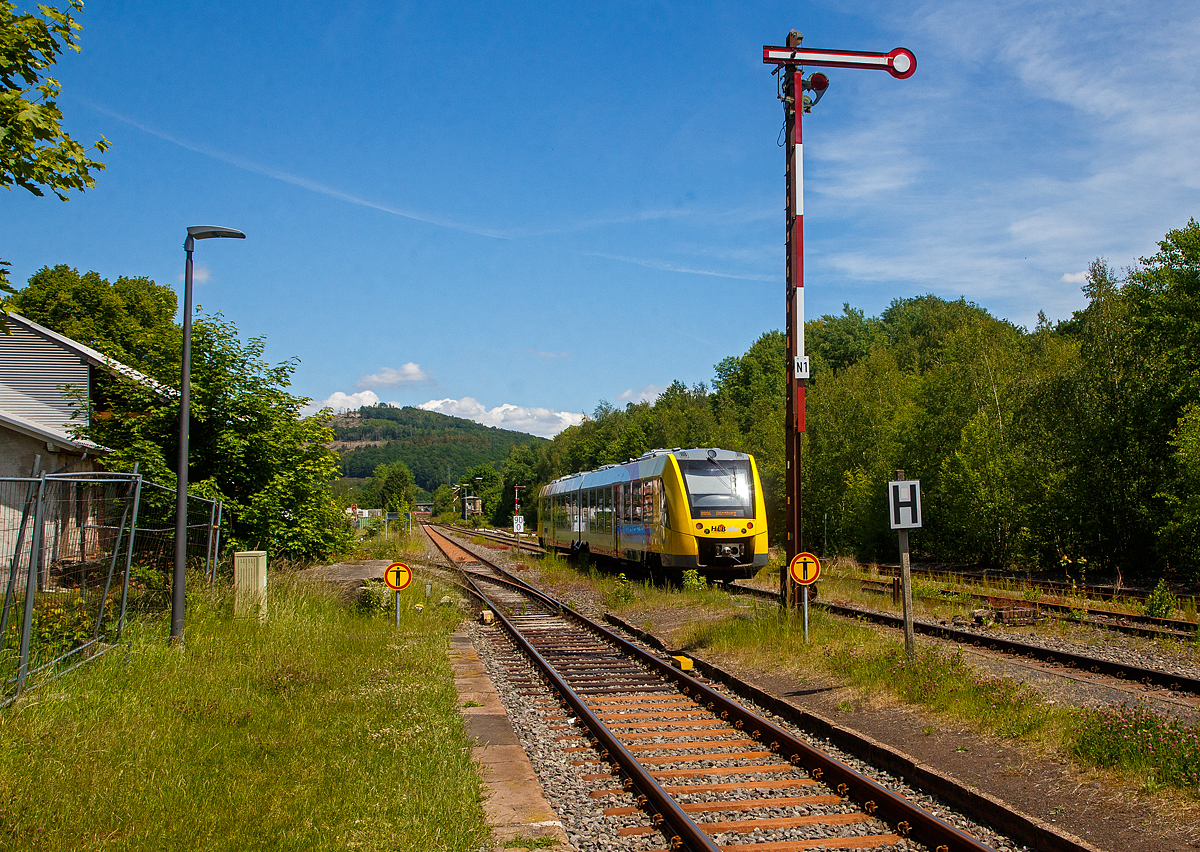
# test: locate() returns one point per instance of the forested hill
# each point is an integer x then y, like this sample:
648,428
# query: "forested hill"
429,443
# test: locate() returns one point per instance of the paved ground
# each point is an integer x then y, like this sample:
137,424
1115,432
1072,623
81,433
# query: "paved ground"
515,804
347,576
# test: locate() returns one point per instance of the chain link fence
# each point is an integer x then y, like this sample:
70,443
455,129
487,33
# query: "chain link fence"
79,555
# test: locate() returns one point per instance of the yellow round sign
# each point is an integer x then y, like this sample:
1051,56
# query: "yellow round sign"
397,576
805,568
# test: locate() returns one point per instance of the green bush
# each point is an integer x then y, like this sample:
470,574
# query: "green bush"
694,581
1162,602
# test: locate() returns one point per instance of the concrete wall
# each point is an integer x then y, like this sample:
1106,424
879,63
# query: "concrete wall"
17,451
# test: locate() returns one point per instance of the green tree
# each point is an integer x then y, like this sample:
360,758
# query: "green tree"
390,488
35,152
248,445
443,500
130,319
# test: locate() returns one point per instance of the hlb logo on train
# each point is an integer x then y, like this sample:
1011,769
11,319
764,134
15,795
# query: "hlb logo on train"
805,568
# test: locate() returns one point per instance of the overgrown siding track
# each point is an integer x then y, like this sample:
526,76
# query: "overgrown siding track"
688,766
1146,677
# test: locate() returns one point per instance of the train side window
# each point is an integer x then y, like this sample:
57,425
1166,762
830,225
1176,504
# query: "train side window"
608,509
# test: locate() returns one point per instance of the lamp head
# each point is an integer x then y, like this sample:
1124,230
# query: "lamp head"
207,232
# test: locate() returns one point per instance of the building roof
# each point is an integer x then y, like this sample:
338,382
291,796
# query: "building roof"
96,359
43,432
38,369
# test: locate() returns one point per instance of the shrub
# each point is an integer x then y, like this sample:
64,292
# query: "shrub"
694,581
1162,602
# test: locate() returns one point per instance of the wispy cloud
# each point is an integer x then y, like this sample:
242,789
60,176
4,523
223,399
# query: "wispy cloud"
390,377
668,266
306,183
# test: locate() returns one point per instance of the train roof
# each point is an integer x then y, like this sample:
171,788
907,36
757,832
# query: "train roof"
651,463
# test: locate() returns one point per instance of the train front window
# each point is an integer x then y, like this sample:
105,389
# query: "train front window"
719,489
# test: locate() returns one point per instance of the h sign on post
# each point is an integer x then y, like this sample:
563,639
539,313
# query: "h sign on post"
904,504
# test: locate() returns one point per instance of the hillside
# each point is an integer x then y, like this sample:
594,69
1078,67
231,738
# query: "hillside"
433,445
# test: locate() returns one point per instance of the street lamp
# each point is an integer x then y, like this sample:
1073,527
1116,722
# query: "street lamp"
195,232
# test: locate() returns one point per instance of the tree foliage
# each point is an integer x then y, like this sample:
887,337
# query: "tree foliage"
1080,439
35,152
248,445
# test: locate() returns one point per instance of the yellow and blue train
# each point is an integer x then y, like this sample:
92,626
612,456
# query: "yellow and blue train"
674,509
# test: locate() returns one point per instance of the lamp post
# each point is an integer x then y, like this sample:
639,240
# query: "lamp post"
195,232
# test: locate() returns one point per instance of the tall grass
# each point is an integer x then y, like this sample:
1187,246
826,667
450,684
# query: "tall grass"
871,662
1158,748
318,728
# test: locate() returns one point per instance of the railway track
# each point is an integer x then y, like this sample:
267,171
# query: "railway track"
687,766
512,541
1147,677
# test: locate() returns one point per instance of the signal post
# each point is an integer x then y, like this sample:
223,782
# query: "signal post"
790,61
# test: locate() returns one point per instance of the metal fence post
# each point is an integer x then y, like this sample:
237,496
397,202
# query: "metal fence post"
217,544
112,567
10,589
35,554
137,501
208,550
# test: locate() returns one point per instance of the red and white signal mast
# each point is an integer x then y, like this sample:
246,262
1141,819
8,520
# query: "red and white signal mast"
790,62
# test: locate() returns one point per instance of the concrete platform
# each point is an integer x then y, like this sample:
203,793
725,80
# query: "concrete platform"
515,805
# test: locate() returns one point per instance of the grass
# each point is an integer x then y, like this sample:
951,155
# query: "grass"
1159,749
1147,748
319,728
872,662
397,545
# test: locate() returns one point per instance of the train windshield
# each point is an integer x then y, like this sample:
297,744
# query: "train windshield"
719,489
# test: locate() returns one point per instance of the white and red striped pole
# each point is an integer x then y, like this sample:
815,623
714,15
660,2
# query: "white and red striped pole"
791,59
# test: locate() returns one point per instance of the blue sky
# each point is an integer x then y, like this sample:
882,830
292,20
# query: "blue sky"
511,211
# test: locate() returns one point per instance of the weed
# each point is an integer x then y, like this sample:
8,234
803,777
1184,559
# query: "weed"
693,581
1159,748
927,730
622,591
845,707
1161,603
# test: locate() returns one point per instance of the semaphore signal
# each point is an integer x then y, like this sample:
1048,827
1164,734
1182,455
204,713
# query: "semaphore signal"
790,61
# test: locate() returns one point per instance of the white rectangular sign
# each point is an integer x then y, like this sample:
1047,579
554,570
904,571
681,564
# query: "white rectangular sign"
904,504
518,523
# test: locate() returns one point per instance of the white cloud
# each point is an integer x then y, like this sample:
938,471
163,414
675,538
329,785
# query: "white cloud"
342,402
543,422
200,275
389,377
647,394
1074,277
